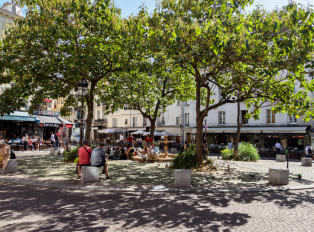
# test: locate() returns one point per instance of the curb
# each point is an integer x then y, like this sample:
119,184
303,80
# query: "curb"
103,189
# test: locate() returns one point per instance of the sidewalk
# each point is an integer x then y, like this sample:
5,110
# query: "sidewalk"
134,176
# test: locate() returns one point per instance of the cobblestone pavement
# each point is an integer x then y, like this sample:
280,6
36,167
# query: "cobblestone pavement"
29,208
126,173
262,166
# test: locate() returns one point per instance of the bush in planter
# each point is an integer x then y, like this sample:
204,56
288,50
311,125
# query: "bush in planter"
227,154
71,155
247,152
185,159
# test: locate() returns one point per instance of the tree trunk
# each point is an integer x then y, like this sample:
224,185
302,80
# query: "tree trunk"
90,112
199,124
152,127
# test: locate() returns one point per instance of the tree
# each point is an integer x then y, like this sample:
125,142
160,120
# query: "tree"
149,88
56,45
213,40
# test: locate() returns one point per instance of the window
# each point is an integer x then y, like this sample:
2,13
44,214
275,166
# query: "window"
126,122
293,119
114,122
178,102
98,114
177,120
117,110
187,103
134,121
187,119
144,121
222,117
243,113
270,116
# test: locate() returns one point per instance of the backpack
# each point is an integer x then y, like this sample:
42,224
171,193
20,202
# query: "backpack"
309,151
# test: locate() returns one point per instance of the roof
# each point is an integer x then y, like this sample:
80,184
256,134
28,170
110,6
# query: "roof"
47,119
20,116
65,121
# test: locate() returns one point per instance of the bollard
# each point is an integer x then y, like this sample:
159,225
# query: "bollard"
218,156
228,168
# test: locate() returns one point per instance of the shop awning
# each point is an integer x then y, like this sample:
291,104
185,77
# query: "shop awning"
257,130
21,117
47,121
64,121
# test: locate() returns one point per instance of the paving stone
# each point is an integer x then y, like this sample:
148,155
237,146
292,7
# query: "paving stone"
182,178
90,174
10,168
306,162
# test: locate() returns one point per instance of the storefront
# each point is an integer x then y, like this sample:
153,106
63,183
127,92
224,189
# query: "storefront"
18,124
66,127
296,137
48,125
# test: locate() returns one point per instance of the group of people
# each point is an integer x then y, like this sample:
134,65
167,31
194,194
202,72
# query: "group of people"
55,139
134,141
96,158
146,153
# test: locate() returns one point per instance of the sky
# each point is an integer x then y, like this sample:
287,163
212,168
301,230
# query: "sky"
131,6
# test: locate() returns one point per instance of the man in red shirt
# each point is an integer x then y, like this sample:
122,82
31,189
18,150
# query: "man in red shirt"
130,140
84,156
148,140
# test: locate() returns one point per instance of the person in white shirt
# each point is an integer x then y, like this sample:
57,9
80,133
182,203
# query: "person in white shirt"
52,137
278,146
309,151
229,145
143,153
121,139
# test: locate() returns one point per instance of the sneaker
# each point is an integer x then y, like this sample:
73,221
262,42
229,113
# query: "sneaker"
108,177
79,177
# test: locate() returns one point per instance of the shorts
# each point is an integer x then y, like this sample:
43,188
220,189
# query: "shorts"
100,165
81,165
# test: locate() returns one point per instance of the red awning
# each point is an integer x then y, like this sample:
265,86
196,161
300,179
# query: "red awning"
47,100
68,125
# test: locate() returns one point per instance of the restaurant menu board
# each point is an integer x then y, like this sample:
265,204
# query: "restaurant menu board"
2,134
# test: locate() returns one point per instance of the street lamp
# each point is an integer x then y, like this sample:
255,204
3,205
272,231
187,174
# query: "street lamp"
82,91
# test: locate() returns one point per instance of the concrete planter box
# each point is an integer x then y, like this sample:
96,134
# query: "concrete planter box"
280,158
10,168
182,178
90,174
278,176
306,162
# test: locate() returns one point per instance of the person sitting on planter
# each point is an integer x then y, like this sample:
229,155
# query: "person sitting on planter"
84,156
143,153
4,154
153,152
99,159
117,154
130,151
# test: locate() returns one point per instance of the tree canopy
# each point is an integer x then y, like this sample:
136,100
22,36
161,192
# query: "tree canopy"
236,52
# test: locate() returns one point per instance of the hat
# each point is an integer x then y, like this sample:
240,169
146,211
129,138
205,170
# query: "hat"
2,142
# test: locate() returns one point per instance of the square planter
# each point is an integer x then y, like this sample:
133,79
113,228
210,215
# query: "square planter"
278,176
